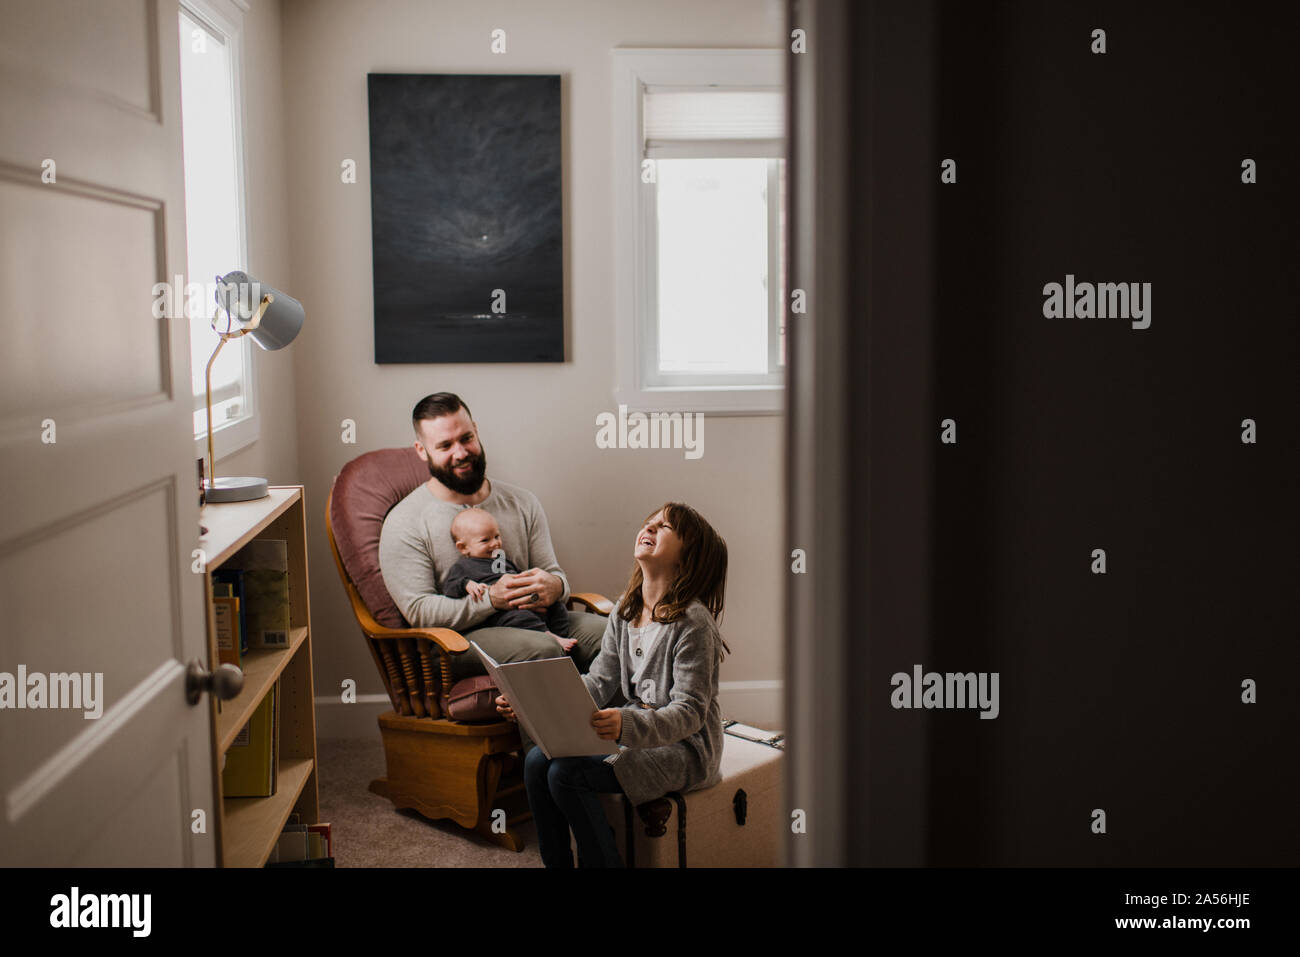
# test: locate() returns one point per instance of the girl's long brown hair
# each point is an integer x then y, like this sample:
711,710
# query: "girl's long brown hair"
701,574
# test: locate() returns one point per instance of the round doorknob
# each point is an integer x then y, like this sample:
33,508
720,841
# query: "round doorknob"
225,682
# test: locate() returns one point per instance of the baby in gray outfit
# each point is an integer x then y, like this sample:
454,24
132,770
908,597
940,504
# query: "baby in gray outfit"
482,562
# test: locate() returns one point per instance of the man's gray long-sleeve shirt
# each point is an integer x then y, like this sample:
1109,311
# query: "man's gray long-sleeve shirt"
416,551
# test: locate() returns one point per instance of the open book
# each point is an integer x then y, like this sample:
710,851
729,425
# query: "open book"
552,703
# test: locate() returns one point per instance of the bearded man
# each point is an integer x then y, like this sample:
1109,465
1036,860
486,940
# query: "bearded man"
416,548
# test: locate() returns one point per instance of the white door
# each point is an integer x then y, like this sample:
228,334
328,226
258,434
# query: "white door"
98,489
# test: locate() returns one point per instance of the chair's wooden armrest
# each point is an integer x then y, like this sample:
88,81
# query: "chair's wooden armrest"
593,602
445,638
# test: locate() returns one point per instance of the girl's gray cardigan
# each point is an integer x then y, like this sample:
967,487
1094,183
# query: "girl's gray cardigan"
672,725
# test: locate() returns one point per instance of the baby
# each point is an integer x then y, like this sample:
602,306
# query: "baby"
478,538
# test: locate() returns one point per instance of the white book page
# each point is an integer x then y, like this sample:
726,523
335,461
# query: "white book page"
552,704
502,682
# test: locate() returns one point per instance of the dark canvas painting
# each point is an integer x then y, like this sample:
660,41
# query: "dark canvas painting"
465,213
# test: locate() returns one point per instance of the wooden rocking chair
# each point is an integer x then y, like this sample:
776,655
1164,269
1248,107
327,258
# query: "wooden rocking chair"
440,767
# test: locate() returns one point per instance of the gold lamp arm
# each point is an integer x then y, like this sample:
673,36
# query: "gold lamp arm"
256,321
223,337
212,458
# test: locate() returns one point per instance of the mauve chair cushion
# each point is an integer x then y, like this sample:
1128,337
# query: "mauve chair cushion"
364,491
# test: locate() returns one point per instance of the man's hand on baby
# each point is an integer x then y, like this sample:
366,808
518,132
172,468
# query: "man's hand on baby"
510,591
534,589
565,643
608,723
476,590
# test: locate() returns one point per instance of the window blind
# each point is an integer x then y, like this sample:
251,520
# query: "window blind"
713,122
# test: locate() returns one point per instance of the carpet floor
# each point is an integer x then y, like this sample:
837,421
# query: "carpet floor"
368,832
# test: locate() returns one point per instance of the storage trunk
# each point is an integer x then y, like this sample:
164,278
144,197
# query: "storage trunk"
736,823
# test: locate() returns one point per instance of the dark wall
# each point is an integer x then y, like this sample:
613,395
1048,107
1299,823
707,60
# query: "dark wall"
1119,691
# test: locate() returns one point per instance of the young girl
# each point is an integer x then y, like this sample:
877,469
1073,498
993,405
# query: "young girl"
661,650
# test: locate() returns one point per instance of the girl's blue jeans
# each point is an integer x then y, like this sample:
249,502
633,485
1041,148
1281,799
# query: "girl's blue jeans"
563,794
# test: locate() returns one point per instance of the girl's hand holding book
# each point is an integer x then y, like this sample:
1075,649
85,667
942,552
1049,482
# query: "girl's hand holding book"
503,708
608,723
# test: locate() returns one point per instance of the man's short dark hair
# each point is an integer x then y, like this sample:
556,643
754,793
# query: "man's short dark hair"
435,406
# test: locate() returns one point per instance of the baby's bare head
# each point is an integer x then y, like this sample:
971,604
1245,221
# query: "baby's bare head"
475,533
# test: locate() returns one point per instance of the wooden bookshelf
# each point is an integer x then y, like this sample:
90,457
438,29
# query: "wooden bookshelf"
253,824
248,828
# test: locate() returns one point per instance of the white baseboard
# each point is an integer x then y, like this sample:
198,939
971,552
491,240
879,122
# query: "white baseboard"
756,703
334,719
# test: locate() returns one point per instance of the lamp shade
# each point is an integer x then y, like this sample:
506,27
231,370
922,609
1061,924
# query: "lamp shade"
240,295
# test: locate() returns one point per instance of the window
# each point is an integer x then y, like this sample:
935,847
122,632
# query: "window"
215,234
700,180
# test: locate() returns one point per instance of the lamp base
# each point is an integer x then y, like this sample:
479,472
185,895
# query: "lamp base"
239,489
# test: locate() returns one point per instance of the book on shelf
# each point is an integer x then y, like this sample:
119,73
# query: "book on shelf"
225,616
303,845
275,735
234,578
293,845
264,564
325,838
250,760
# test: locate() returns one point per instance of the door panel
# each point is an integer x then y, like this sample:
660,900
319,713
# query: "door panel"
56,261
99,523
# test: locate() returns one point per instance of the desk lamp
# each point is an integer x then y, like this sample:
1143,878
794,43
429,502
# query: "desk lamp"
274,324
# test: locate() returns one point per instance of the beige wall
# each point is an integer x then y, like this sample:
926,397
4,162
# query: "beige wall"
275,454
537,421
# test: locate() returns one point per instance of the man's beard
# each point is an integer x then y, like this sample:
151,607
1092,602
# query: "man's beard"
464,484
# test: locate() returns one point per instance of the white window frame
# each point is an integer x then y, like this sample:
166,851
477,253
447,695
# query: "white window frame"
227,18
640,386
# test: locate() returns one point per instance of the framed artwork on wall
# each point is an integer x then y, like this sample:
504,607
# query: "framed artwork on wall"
466,218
